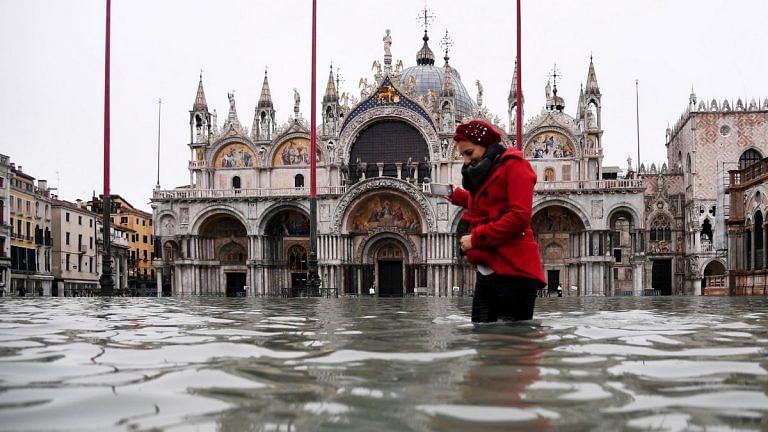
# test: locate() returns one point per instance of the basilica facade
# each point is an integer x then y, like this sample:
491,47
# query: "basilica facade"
241,225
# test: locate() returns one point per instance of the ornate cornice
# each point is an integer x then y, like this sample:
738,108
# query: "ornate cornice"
387,183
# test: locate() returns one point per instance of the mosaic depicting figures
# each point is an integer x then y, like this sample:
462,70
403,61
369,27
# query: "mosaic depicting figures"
384,210
294,152
235,156
288,223
556,219
549,145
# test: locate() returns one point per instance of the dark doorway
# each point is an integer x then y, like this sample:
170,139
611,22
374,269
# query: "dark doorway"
390,279
235,284
661,276
298,280
553,279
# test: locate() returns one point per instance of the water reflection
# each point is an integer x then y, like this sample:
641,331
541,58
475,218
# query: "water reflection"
416,364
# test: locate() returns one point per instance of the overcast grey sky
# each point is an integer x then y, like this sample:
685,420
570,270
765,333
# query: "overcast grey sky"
52,51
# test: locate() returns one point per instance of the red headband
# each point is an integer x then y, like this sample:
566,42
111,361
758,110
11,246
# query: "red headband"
479,132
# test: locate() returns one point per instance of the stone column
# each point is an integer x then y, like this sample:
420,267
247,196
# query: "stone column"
751,258
765,246
637,281
159,277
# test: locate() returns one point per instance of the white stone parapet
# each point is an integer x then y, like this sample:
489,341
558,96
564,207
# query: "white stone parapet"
603,185
190,193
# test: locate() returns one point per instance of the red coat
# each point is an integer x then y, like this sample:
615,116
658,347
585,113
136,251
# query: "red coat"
499,217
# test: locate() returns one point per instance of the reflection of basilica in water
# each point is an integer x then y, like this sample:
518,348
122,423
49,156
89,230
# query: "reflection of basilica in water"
241,226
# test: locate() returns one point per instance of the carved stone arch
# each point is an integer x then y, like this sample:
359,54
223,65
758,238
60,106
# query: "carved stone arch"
210,157
166,224
663,213
755,198
400,236
201,217
626,207
276,208
349,134
456,218
721,262
382,183
542,204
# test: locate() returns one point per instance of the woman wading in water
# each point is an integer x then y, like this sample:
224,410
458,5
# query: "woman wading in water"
497,191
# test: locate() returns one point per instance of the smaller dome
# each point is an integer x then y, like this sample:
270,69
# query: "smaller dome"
425,56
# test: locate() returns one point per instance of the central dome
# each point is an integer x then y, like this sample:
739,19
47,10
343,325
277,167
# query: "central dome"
430,77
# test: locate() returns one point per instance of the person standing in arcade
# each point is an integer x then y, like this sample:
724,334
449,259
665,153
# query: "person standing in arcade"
497,191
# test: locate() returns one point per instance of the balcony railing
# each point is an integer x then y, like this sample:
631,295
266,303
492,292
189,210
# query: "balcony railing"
748,174
198,164
82,248
243,193
615,185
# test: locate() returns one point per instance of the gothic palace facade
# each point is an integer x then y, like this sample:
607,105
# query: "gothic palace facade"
241,227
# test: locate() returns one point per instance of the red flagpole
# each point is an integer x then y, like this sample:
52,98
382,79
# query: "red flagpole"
105,280
106,105
519,86
313,144
313,277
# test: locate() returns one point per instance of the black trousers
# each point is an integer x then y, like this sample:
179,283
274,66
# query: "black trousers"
507,297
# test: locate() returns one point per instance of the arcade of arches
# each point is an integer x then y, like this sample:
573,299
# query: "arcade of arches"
580,259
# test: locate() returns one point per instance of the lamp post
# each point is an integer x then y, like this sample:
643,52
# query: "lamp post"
313,278
106,282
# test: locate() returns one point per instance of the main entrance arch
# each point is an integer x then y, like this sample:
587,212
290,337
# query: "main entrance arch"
388,257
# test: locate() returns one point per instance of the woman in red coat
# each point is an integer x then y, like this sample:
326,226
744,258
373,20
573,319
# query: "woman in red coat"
498,195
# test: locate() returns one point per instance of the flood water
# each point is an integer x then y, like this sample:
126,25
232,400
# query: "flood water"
368,364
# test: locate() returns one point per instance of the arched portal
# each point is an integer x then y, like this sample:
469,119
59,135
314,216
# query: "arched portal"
620,245
286,242
558,231
389,257
223,239
714,281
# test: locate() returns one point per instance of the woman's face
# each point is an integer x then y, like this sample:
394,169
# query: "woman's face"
471,152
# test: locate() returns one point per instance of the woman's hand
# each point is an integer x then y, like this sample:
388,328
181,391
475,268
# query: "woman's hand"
466,242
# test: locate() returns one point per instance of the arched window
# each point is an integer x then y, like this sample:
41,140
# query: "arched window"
689,169
297,258
298,181
749,157
706,230
236,182
660,229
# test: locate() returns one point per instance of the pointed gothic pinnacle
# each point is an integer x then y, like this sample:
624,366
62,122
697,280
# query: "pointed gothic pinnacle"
200,103
265,100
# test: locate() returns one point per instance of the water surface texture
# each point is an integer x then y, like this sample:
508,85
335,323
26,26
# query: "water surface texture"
352,364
